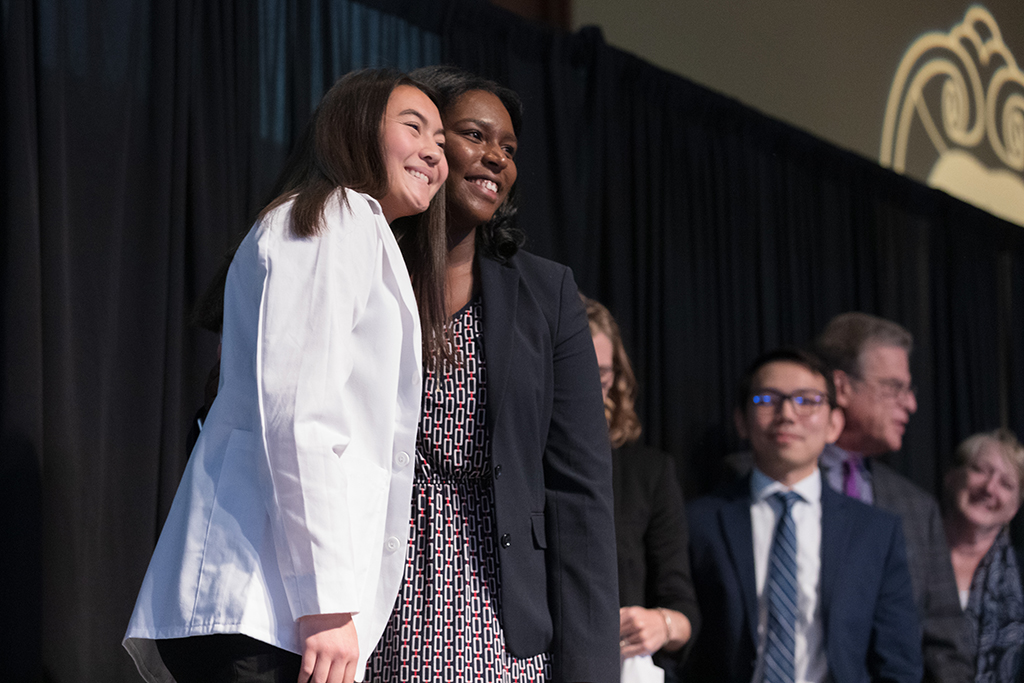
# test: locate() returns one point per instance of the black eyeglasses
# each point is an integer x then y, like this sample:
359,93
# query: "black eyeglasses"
891,389
804,402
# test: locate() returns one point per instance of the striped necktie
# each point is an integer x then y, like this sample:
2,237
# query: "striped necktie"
780,641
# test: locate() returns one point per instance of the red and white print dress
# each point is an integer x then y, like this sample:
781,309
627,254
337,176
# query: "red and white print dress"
446,624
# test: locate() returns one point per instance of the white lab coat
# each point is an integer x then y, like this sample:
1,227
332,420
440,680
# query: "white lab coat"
296,498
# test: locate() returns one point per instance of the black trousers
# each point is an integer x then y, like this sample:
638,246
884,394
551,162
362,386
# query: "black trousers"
228,658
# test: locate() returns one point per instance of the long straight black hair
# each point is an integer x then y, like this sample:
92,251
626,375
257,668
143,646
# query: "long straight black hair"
341,149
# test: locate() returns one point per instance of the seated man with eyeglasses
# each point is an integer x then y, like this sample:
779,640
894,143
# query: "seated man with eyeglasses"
870,361
795,581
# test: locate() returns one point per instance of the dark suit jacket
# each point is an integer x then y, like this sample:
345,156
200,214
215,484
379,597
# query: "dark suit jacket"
948,644
870,622
552,469
652,537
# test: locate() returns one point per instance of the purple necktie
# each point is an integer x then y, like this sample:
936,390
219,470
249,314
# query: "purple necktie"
850,485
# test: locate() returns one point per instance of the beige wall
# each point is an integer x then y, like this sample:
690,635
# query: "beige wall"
825,67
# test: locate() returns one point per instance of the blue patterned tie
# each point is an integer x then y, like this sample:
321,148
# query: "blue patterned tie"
780,642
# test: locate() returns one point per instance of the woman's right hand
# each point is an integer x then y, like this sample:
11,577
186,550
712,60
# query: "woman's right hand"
645,631
330,648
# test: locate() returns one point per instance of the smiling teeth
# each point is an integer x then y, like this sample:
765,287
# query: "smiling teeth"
487,184
419,176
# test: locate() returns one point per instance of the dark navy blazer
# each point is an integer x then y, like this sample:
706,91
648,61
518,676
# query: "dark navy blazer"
552,470
871,626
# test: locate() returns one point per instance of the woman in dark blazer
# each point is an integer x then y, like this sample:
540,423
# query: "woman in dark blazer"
513,470
659,613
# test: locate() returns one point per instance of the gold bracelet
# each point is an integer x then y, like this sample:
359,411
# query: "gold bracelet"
668,623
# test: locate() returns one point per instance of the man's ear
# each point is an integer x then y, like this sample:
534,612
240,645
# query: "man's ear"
844,387
741,423
836,422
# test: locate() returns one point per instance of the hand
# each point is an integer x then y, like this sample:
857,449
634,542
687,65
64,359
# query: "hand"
330,648
641,631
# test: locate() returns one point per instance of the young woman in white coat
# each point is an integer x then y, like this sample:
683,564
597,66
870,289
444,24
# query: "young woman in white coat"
283,551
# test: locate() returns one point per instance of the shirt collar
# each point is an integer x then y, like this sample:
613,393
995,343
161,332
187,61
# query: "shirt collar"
374,204
762,486
833,456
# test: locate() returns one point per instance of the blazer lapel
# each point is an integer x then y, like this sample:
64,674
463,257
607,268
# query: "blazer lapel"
739,538
500,292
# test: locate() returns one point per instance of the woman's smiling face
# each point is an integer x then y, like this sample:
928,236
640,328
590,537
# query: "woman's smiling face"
989,493
480,147
413,151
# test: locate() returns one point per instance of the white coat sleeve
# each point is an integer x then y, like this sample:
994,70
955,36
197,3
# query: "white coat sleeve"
314,292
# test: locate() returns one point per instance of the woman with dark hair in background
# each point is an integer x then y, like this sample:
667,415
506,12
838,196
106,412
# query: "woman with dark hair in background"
659,612
511,568
283,550
983,493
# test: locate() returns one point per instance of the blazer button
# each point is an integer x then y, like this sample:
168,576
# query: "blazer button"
497,471
506,540
402,459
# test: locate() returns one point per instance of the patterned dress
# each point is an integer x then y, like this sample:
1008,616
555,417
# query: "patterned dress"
446,624
996,611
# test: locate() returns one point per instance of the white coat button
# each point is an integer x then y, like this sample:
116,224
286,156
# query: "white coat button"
392,544
402,459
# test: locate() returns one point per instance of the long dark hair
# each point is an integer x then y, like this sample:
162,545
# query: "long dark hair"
342,148
500,238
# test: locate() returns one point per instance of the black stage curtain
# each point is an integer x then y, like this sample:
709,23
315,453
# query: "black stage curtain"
139,139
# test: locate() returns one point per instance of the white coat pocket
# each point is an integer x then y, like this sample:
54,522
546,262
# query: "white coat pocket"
366,491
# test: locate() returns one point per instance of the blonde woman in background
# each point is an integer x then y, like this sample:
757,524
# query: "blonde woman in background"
658,611
983,493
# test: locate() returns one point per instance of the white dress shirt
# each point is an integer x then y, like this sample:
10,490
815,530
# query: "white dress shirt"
297,496
811,666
